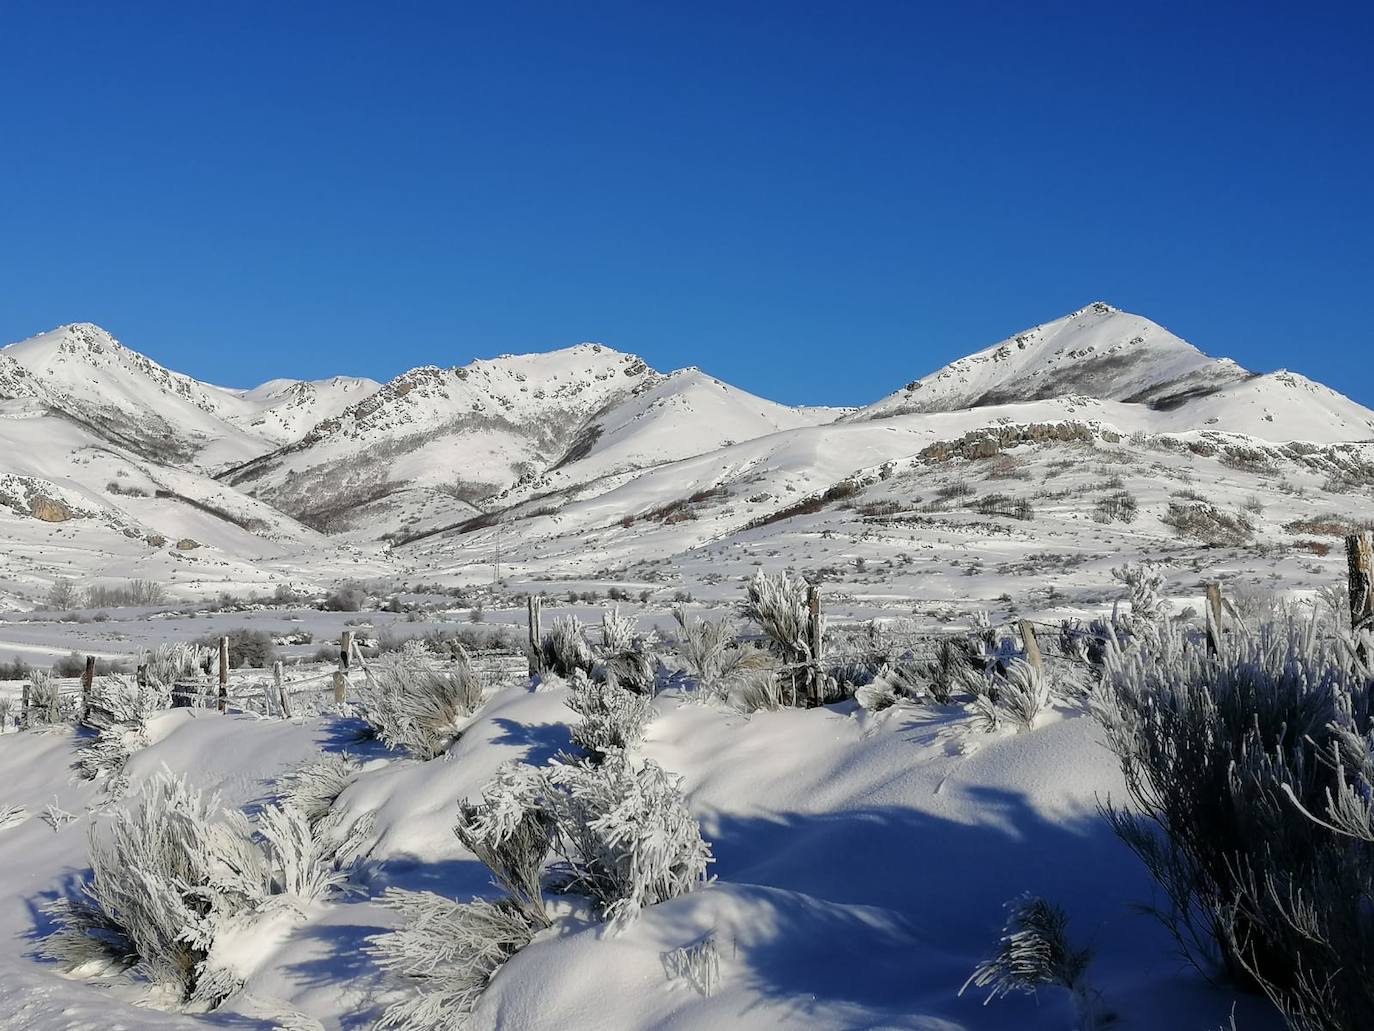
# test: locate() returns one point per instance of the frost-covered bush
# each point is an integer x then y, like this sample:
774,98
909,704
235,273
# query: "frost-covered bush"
698,964
248,648
46,707
617,631
778,606
511,832
611,716
170,662
117,711
416,708
635,670
174,871
450,949
956,663
1034,952
6,712
564,649
1023,693
626,834
703,649
313,787
171,872
1223,756
1146,585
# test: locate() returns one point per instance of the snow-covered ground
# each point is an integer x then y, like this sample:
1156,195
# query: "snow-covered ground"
862,861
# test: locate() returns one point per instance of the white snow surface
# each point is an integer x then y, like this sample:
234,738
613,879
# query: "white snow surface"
862,863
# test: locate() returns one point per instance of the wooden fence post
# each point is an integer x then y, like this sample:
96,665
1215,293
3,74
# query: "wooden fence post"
345,657
1359,553
141,675
1030,645
284,705
535,606
24,706
815,643
223,674
1214,609
87,679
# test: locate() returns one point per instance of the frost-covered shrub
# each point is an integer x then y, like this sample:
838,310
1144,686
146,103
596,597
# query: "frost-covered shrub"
617,631
1034,952
313,787
1146,585
1023,693
45,701
511,832
1204,522
703,649
626,833
307,861
698,964
894,682
565,648
635,670
170,662
117,710
6,712
348,597
1223,756
171,871
174,871
957,662
450,949
611,716
415,708
778,606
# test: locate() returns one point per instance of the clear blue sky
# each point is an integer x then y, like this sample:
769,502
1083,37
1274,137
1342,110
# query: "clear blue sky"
818,202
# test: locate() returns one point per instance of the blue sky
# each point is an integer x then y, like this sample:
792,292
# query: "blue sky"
815,201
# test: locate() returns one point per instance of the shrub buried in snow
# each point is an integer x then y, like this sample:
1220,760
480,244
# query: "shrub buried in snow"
1034,952
416,708
171,873
626,838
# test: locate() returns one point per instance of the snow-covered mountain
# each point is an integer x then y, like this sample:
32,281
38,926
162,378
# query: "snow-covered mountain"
435,445
1098,351
564,444
132,401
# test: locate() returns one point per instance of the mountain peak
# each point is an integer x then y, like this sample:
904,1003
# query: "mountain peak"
1098,351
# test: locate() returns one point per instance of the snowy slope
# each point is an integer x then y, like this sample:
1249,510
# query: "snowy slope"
685,414
494,432
72,505
82,371
468,432
1097,351
132,401
284,410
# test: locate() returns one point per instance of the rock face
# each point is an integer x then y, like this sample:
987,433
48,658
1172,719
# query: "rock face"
187,544
48,510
